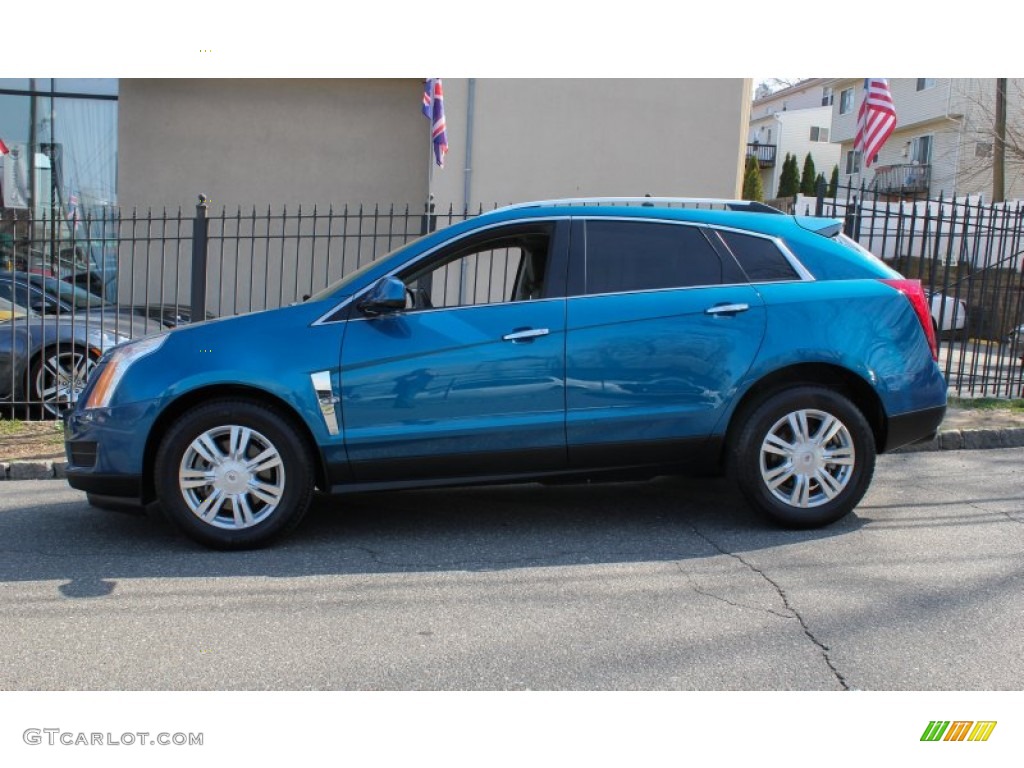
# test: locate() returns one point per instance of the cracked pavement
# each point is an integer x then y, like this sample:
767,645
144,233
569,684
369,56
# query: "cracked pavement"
669,584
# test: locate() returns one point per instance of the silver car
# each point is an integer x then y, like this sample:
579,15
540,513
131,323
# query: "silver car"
45,361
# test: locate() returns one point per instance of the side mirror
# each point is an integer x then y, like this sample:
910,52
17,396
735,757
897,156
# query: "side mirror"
386,296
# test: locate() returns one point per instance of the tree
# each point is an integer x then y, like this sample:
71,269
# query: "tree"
789,180
808,177
992,124
833,183
770,85
752,187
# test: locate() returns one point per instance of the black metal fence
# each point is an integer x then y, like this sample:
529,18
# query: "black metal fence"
80,286
969,257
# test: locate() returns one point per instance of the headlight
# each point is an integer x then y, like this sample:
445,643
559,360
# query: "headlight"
105,339
118,364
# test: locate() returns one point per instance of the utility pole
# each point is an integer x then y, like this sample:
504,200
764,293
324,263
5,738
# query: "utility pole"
999,145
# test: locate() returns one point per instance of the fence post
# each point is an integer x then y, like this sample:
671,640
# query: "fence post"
428,224
428,221
819,205
200,232
851,224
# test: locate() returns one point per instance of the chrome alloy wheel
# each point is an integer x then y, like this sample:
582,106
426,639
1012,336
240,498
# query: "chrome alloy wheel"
59,379
232,477
807,458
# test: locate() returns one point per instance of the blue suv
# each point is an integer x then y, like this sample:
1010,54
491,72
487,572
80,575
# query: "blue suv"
549,340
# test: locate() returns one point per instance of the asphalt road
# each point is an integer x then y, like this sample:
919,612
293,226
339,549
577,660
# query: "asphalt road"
670,584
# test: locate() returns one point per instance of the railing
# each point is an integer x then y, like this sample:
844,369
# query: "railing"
902,179
969,255
137,273
765,154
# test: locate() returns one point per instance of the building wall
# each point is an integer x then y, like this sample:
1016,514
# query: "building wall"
539,139
791,133
957,113
274,143
806,94
270,142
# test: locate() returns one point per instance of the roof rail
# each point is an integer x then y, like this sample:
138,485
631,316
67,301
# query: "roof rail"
751,206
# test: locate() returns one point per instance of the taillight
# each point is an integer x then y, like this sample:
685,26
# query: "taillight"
915,294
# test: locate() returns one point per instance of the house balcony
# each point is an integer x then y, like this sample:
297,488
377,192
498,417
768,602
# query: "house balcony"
765,154
902,179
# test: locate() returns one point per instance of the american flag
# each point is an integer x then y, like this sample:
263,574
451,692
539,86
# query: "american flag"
876,119
433,110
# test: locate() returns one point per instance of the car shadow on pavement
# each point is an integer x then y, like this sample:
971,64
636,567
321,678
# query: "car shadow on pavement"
468,529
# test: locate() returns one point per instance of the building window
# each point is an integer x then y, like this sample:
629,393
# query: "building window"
846,101
852,162
72,125
819,133
921,150
924,83
826,97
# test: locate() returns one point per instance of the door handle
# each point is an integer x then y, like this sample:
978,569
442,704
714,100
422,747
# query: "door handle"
525,334
726,309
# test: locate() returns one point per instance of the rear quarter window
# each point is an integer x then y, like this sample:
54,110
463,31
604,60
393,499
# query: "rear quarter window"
760,258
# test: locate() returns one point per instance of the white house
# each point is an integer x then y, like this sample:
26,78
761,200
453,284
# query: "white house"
943,139
796,120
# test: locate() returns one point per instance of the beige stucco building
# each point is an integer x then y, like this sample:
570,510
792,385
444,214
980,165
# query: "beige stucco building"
330,142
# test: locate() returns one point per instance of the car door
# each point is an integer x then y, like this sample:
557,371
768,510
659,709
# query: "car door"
663,327
469,379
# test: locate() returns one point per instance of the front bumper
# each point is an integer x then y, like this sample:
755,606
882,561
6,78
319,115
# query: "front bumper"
106,448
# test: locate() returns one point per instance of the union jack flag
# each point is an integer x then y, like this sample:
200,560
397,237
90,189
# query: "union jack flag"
433,110
876,119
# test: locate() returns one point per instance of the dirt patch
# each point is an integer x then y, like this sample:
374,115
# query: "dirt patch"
31,441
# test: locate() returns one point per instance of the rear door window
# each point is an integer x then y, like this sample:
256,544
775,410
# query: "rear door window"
627,256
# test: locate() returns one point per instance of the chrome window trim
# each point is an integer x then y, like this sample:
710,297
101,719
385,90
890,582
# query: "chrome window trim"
431,310
324,319
659,290
803,274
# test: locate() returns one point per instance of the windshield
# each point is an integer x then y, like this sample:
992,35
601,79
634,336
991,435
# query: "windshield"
72,294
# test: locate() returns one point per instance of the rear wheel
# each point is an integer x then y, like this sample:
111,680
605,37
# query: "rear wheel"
804,457
234,474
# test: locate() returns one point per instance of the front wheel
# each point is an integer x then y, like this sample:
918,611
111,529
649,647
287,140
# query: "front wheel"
804,457
234,474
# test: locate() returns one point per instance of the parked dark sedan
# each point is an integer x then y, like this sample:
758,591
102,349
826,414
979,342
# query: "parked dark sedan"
45,361
50,296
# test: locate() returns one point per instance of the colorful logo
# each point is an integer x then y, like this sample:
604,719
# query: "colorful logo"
958,730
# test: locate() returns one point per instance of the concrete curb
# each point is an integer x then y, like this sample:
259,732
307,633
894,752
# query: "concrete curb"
948,440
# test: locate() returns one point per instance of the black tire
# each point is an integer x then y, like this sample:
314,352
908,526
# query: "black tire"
56,378
814,481
229,502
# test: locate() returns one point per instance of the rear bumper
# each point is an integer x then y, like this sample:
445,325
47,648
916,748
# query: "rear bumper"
913,427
